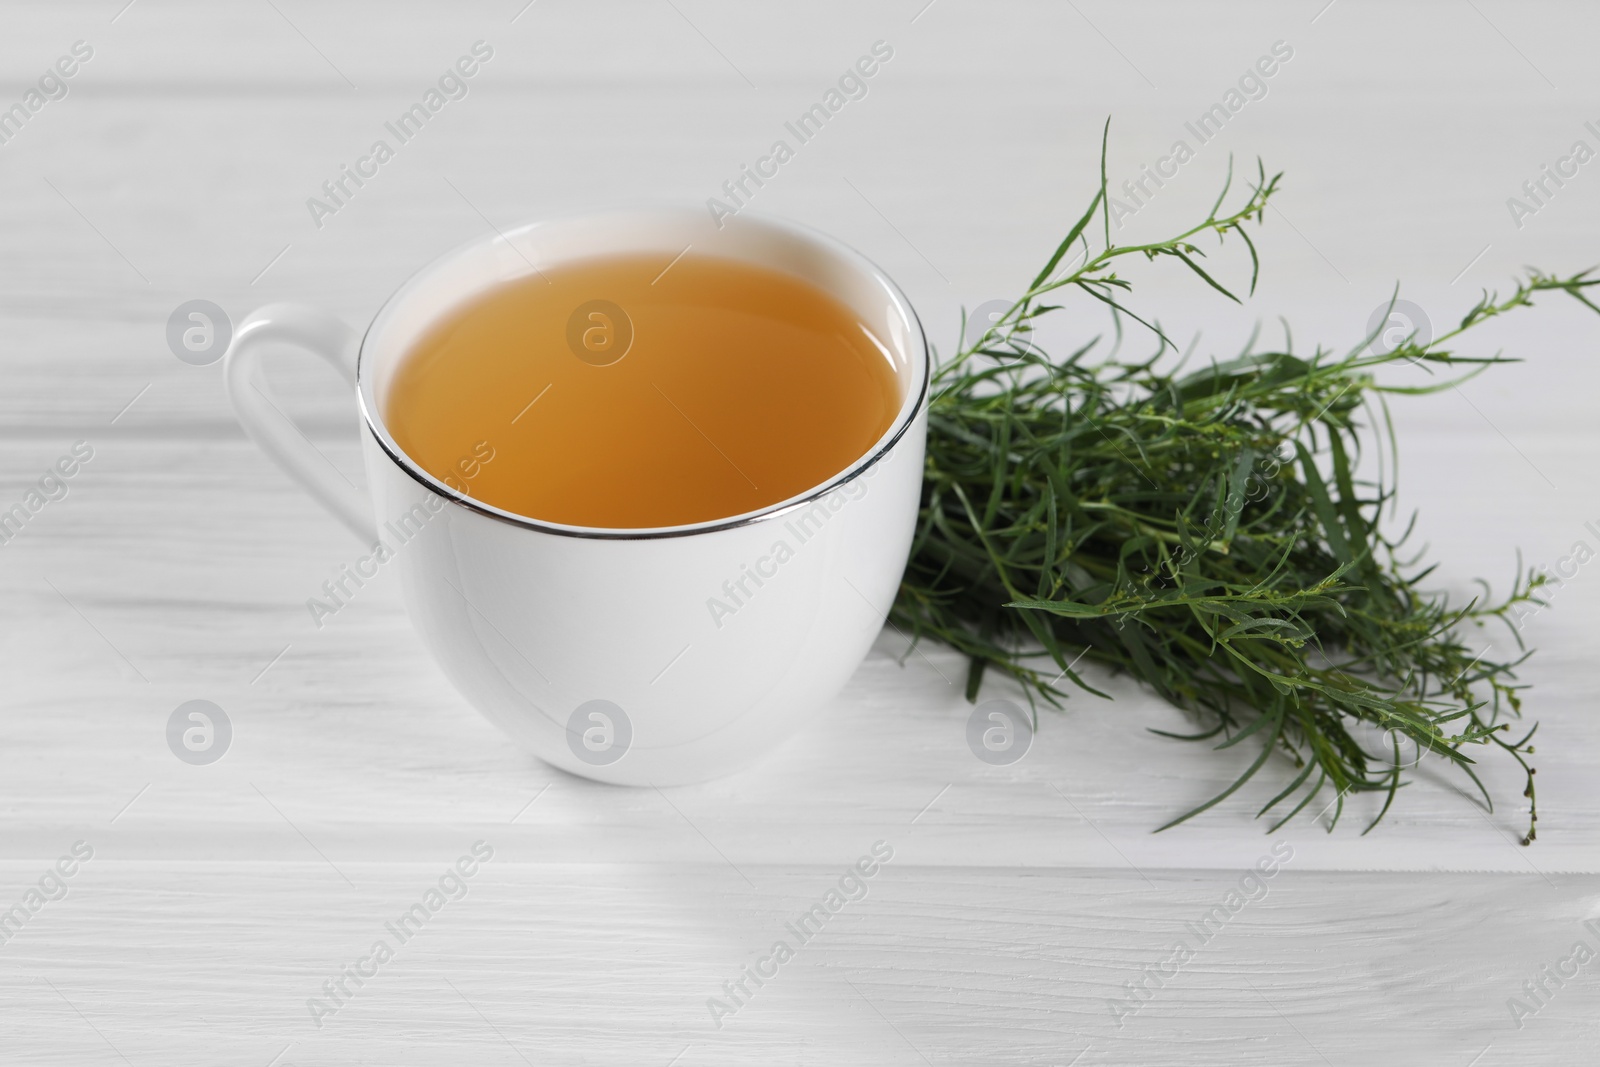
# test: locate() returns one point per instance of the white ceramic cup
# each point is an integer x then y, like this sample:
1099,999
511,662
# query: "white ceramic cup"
648,656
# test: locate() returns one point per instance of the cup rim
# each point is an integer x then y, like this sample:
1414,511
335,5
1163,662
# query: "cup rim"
910,408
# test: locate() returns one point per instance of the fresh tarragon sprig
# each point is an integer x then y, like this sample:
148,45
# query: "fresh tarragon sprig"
1206,532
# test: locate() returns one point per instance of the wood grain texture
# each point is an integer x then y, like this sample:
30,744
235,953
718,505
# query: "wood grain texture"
179,962
1020,899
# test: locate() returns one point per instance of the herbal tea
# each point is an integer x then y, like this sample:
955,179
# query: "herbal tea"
626,393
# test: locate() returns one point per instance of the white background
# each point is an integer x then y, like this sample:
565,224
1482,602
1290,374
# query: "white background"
1020,899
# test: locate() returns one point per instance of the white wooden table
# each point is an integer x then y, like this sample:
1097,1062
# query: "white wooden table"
1019,900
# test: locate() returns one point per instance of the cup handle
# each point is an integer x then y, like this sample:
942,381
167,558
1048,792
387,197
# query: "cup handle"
262,418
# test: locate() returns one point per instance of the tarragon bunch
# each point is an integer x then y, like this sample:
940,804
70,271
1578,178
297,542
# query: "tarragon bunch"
1205,531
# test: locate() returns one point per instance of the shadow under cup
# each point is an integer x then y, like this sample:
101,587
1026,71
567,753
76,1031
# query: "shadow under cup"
650,656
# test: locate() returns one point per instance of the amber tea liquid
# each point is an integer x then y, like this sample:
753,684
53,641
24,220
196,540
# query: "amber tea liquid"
611,394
